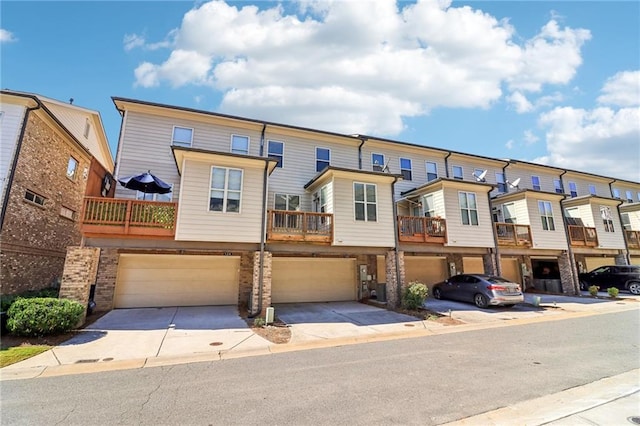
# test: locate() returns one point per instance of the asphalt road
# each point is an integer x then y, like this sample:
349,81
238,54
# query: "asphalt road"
425,381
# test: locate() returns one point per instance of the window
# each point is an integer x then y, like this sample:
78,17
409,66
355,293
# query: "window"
72,168
276,151
364,197
535,183
557,183
502,185
405,168
34,198
87,128
432,171
509,213
428,206
182,136
323,159
165,198
607,219
629,196
239,144
546,215
226,189
468,208
67,213
616,193
320,200
287,202
377,160
457,172
626,221
592,189
573,189
639,196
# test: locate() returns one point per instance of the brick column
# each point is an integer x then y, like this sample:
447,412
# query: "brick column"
568,279
393,298
266,281
106,279
489,264
80,269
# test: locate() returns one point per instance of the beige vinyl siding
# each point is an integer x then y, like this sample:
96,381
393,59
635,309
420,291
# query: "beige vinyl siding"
634,219
10,125
351,232
460,235
582,185
524,173
614,240
197,223
624,187
546,239
520,210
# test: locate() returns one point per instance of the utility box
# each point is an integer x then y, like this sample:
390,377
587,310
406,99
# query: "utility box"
381,292
269,315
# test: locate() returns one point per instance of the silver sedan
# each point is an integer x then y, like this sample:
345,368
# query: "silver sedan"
483,290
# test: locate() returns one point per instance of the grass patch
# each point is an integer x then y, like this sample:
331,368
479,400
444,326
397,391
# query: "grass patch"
19,353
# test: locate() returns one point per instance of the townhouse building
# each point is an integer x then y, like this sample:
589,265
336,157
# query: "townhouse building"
262,213
52,155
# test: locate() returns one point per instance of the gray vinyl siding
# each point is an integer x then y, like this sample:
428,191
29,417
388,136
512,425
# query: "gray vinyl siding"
543,239
197,223
514,172
460,235
10,125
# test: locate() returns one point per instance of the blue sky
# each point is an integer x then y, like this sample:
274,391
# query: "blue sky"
551,82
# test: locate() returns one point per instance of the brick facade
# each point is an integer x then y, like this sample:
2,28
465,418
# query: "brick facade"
34,238
106,279
80,269
266,281
395,288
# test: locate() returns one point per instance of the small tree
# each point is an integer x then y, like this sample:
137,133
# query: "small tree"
414,295
593,290
613,292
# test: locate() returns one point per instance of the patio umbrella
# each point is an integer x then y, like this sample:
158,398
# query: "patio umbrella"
146,182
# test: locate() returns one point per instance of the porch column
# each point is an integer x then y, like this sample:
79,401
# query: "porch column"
266,282
393,297
80,270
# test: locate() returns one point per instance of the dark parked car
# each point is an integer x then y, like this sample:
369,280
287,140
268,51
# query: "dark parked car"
618,276
483,290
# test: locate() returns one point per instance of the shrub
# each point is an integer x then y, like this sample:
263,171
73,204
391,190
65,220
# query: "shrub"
414,295
613,292
593,290
43,315
6,300
259,322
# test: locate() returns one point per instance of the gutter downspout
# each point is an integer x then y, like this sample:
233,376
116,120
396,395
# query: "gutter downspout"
572,263
446,164
263,232
264,127
495,242
627,253
362,141
396,241
504,175
14,163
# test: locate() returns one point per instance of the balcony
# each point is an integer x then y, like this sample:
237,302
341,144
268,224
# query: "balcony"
582,236
417,229
511,234
633,239
294,226
112,217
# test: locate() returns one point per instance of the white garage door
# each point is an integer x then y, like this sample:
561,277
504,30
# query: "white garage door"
472,265
511,269
301,279
595,262
155,280
428,270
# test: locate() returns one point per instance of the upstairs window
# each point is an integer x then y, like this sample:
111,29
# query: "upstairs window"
72,168
226,190
626,221
509,213
287,202
165,198
364,197
432,171
557,183
377,161
535,183
405,168
240,144
573,189
629,196
546,215
592,189
34,198
428,206
182,136
607,218
321,200
468,208
276,151
457,172
502,185
323,159
616,193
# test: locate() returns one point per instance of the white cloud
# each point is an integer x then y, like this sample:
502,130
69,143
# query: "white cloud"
362,65
530,138
509,144
131,41
6,36
623,89
520,102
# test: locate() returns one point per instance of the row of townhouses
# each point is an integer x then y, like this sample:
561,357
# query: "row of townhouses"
263,213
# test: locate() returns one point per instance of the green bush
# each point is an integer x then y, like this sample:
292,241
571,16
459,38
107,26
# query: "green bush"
593,290
6,300
414,295
259,322
613,292
43,315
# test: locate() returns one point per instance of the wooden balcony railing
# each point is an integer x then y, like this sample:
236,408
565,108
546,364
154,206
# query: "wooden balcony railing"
119,217
512,234
583,236
284,225
633,239
418,229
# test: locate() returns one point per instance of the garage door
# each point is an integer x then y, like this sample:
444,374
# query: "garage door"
155,280
300,279
472,265
425,269
595,262
635,260
511,269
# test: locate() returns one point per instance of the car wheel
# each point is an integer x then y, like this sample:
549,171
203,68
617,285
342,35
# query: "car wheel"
634,288
480,301
437,293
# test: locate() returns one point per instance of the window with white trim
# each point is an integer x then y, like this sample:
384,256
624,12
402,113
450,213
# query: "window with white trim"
182,136
616,193
377,161
457,172
468,208
286,202
546,215
428,206
592,189
432,171
34,198
226,190
535,183
67,213
626,221
321,200
573,189
557,184
275,150
72,168
629,196
323,158
405,168
165,198
240,144
365,204
607,218
509,213
502,184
